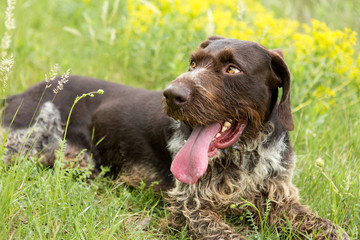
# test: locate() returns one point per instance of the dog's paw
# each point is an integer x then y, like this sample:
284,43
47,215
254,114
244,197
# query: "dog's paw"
342,234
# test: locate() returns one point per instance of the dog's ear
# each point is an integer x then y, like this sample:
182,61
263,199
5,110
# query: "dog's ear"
282,72
212,38
279,52
205,43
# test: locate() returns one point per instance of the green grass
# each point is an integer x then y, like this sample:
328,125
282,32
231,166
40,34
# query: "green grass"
40,203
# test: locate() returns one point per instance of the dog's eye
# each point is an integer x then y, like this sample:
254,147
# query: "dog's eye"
192,64
232,70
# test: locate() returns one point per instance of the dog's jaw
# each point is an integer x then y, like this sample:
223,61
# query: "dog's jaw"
229,134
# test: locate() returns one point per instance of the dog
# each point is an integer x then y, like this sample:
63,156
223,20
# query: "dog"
215,140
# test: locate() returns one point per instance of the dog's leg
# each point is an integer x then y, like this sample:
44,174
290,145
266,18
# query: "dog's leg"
288,214
305,223
201,221
41,139
206,224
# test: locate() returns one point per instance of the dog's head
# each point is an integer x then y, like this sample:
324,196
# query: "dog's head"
229,92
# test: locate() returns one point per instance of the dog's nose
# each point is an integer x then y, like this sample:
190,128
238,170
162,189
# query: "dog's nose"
176,95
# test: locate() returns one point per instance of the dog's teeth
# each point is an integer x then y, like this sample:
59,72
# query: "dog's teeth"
224,129
184,141
227,124
218,135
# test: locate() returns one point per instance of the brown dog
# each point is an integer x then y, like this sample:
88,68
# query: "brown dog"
224,130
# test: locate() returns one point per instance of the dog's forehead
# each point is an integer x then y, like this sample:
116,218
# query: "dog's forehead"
248,53
234,44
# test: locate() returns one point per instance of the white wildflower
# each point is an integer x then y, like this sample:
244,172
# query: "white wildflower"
9,13
64,79
9,26
6,65
52,75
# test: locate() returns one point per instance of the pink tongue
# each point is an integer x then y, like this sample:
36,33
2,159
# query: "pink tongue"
191,162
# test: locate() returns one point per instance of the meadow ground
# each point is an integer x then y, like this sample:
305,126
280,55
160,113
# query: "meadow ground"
147,44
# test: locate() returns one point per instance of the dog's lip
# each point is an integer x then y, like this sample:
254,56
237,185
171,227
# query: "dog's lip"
230,133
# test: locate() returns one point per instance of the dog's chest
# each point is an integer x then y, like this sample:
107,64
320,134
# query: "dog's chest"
237,171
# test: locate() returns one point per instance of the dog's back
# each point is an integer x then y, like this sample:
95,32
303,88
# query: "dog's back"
110,126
